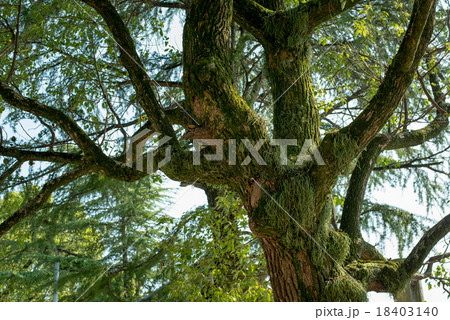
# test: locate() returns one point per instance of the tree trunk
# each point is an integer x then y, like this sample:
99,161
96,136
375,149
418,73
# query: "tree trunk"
287,205
295,277
304,254
295,111
412,293
285,278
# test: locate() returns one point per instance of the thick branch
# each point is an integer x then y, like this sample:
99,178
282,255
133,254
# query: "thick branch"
8,172
254,16
361,173
96,159
45,193
338,149
324,10
251,16
350,222
391,276
375,275
417,137
207,74
398,76
131,61
417,256
54,115
366,164
179,116
439,124
26,155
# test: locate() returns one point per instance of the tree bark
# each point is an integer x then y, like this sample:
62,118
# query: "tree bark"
412,293
295,111
289,284
350,222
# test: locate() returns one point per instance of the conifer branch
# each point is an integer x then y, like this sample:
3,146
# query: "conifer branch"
44,194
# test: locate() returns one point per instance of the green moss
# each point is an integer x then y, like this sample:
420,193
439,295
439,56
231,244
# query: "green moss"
294,200
393,278
386,272
344,150
297,200
361,271
292,29
344,288
338,246
324,220
366,251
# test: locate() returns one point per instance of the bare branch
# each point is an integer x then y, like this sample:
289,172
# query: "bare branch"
438,258
408,166
355,95
54,115
110,105
94,155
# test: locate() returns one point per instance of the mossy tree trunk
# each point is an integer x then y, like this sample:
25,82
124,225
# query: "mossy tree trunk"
304,254
293,277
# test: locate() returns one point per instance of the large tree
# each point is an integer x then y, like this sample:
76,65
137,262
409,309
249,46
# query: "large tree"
80,84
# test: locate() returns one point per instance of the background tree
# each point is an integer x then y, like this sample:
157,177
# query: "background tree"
103,238
112,245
